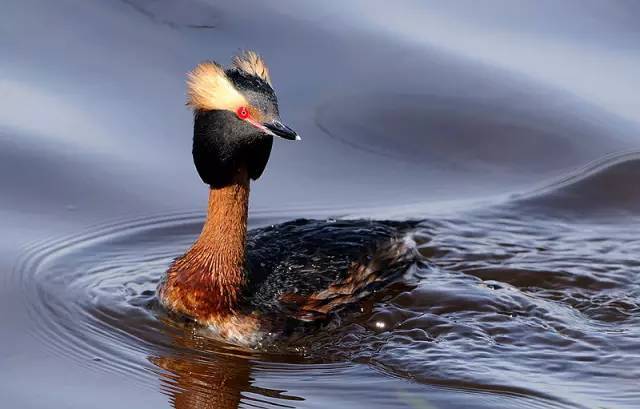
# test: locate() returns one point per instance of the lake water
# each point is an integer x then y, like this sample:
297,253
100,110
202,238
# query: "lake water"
508,137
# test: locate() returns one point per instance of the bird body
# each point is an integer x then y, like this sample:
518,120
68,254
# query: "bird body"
214,283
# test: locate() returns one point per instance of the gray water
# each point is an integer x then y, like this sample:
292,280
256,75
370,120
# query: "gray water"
508,135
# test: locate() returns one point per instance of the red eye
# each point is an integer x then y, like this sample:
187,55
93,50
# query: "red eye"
243,113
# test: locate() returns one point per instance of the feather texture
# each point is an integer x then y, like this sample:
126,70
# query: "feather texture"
251,63
208,88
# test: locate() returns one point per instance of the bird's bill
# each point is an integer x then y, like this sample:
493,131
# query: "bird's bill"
277,128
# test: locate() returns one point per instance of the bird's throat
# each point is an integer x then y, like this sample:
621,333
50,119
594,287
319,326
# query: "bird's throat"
208,279
223,237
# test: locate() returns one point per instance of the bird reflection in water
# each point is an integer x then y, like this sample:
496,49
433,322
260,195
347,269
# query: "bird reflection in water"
199,373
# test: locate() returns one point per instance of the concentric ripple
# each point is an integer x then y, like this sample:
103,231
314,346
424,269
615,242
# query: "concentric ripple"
91,298
534,310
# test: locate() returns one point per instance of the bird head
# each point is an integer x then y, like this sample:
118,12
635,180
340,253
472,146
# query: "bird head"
236,117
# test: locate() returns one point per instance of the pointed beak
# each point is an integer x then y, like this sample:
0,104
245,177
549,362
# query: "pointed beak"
277,128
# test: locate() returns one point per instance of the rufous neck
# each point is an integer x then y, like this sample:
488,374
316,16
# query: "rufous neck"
221,244
226,222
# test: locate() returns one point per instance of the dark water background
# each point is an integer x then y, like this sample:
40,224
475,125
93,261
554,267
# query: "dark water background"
508,131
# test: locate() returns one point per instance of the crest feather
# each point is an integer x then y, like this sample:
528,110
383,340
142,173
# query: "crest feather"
251,63
208,88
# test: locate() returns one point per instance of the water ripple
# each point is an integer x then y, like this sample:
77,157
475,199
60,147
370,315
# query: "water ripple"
536,310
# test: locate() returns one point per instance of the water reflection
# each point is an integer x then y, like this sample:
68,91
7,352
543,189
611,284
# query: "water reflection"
199,373
213,383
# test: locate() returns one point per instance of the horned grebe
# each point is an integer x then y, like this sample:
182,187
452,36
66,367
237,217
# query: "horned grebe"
236,117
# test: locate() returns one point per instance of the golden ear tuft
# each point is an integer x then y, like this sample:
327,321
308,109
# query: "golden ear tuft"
208,88
251,63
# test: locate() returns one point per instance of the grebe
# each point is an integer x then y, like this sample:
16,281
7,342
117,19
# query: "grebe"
235,119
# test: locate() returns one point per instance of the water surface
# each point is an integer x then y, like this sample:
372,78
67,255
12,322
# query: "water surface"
507,136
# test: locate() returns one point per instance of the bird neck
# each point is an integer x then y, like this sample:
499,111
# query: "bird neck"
220,248
224,231
206,283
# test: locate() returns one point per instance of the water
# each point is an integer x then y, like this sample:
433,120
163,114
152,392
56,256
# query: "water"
516,171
